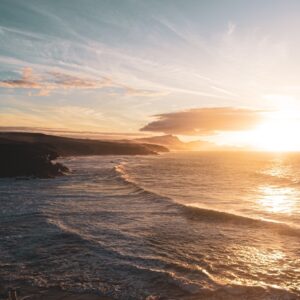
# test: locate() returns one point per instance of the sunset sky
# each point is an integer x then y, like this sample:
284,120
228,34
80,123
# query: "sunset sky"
226,71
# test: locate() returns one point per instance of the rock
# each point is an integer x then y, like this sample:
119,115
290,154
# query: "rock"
23,159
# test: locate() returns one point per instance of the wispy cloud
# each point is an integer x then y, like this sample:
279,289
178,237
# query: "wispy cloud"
230,28
53,81
27,81
181,55
204,121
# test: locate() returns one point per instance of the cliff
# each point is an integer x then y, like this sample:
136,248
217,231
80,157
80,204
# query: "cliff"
20,159
31,154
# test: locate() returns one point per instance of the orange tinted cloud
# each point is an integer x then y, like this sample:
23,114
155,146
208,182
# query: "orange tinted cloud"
27,81
204,121
67,81
50,81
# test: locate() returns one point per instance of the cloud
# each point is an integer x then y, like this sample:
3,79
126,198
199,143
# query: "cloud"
129,91
205,121
50,81
70,81
231,27
27,81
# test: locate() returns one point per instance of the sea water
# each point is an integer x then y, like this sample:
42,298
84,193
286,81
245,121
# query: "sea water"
177,226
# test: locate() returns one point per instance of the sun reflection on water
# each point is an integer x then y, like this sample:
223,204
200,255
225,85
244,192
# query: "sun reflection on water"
264,264
277,199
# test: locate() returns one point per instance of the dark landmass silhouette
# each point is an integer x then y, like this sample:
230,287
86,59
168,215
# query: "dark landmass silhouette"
31,154
174,143
167,140
23,159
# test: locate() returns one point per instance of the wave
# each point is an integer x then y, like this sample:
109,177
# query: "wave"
73,253
206,214
161,277
280,179
150,270
280,182
215,216
121,175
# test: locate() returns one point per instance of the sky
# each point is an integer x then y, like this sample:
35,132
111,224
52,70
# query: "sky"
195,68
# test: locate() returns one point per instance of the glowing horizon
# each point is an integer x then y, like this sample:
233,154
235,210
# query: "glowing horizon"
223,72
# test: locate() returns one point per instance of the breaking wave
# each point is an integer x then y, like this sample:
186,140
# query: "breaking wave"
205,214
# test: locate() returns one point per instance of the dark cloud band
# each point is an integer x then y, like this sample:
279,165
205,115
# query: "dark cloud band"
204,121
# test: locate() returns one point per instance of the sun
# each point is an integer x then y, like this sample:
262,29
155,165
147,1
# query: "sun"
278,132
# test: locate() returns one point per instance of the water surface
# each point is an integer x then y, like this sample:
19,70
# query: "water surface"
178,225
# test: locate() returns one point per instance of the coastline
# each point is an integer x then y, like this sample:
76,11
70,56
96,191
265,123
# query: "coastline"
33,155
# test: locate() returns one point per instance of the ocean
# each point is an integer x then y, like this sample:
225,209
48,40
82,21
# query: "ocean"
176,226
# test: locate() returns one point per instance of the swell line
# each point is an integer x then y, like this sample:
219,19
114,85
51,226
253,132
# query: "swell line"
205,214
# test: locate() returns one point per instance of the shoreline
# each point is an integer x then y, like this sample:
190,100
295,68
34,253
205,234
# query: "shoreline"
32,154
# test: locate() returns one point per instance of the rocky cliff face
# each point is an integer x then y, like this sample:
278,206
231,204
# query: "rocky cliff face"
23,160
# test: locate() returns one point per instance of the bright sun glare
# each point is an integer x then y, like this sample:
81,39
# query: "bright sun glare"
278,132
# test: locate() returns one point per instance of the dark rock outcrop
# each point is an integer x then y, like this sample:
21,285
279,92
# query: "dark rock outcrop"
24,160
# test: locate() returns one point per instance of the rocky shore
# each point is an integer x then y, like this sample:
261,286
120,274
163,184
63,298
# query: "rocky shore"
32,154
34,160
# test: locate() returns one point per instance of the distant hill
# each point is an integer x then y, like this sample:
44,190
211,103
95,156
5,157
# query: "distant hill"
166,140
203,146
174,143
